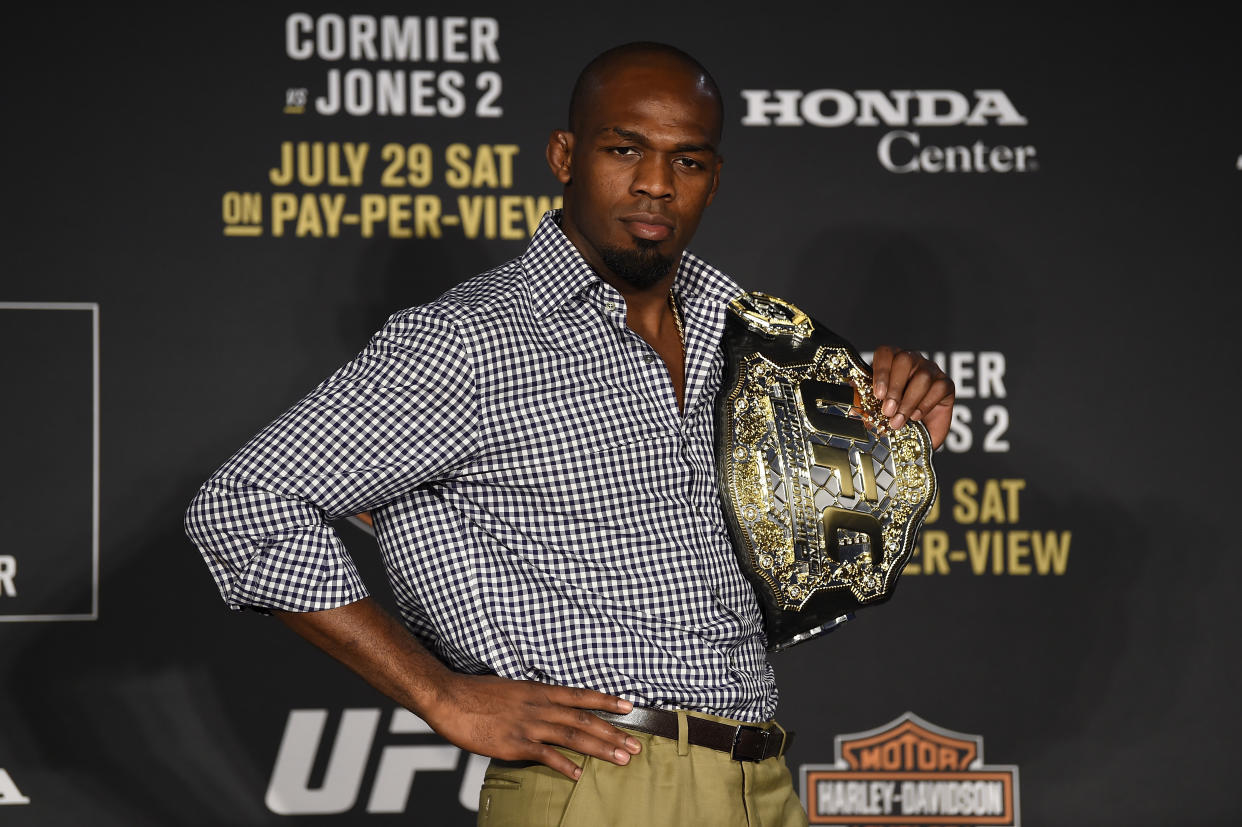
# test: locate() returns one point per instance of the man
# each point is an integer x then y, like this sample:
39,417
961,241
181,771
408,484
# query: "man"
536,450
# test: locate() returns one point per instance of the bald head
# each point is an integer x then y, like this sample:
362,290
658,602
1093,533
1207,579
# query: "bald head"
639,163
637,55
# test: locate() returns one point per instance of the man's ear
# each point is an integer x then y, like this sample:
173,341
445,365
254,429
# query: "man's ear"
715,179
560,154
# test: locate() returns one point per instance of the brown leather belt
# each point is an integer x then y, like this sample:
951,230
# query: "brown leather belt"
743,742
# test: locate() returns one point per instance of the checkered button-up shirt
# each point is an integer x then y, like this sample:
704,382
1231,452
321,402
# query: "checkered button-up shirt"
544,510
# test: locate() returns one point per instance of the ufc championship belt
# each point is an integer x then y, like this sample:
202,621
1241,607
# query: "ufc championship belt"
822,500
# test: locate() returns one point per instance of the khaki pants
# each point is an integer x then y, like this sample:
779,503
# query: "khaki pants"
668,783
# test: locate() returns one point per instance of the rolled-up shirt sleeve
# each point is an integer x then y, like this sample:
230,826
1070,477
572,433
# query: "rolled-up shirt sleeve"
400,415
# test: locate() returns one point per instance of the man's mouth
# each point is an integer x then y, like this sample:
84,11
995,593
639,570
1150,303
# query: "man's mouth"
648,226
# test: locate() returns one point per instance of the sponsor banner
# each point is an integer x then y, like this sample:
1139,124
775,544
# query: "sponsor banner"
910,772
908,113
361,66
49,559
977,525
370,767
356,189
370,60
252,191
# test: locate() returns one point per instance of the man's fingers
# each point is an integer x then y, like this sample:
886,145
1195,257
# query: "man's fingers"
588,699
580,720
910,387
881,361
938,420
916,388
603,729
563,722
940,390
524,720
901,364
548,756
579,740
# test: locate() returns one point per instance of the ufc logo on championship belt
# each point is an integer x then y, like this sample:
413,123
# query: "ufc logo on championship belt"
823,502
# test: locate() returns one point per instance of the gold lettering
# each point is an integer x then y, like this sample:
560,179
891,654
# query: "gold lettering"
489,217
308,218
374,209
506,153
1012,488
310,163
966,509
470,208
1051,551
835,519
399,215
511,218
418,158
282,176
837,460
868,474
992,509
242,208
427,216
485,166
977,547
284,207
332,207
535,208
935,552
1017,544
458,173
393,154
335,177
998,502
356,160
485,173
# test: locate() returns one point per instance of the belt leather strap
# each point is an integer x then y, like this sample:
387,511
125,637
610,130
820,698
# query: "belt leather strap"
743,742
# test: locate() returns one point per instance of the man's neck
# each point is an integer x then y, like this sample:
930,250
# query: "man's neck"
647,308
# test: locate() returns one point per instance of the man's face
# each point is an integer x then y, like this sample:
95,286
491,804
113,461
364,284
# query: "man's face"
639,169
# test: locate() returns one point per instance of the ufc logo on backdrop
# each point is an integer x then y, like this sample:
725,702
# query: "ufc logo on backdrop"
350,752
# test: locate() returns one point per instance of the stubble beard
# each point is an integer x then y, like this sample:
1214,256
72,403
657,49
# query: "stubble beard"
640,266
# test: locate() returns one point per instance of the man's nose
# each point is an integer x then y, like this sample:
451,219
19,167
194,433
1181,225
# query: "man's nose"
654,178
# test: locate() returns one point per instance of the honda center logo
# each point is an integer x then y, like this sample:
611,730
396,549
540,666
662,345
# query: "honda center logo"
904,150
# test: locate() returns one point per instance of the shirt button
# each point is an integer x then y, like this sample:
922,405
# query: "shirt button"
610,306
649,358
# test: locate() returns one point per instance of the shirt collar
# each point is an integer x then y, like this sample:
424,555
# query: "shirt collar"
556,271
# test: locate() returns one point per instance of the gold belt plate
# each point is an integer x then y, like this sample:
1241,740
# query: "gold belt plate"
826,497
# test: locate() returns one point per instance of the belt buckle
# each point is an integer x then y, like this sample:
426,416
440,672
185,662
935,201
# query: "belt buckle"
758,755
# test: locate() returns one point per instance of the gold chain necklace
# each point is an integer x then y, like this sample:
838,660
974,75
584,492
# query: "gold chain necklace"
681,331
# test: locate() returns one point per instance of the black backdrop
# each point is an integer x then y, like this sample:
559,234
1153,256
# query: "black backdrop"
1072,609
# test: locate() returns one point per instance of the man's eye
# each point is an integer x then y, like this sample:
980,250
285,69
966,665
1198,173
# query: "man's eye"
622,150
690,162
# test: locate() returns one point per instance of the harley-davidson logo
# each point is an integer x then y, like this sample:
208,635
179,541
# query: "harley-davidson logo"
910,772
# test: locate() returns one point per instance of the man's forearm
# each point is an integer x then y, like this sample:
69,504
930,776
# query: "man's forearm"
378,647
485,714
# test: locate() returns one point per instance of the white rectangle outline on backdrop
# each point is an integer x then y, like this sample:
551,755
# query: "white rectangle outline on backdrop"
93,307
